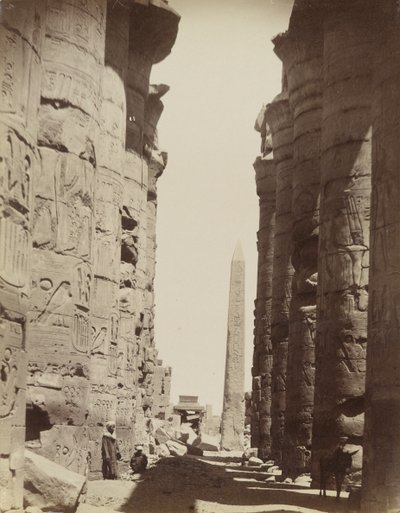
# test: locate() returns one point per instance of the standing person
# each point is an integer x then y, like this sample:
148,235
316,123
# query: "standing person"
110,452
139,460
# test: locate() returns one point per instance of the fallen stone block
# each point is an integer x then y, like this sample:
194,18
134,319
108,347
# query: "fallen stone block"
188,435
33,509
163,451
275,471
303,479
255,462
194,451
50,486
207,443
270,479
176,448
161,436
266,466
250,452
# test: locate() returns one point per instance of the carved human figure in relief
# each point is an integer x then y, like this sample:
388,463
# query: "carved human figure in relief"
8,390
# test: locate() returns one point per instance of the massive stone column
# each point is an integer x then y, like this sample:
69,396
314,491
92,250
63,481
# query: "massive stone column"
232,424
381,470
111,390
262,357
344,230
63,286
280,121
153,29
301,52
20,74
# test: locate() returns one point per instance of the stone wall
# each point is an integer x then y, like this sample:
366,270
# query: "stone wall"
80,161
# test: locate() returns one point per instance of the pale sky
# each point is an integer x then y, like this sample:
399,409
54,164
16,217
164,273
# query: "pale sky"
221,70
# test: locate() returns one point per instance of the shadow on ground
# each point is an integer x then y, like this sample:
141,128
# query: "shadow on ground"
189,485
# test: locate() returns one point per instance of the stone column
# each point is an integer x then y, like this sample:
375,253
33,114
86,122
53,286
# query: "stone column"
111,390
381,470
262,358
301,52
344,231
162,390
153,29
20,74
63,287
232,424
280,121
156,161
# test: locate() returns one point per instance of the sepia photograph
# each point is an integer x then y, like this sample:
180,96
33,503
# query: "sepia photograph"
199,256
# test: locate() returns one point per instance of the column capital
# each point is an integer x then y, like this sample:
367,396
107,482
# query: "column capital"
278,113
280,120
265,175
153,28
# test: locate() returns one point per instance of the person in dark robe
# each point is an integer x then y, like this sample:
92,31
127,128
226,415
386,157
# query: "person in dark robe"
139,461
110,452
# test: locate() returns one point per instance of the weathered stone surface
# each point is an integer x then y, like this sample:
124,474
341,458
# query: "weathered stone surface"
33,509
77,228
63,284
49,485
163,451
255,462
161,436
176,448
232,423
344,225
187,434
20,74
381,472
279,119
300,49
262,356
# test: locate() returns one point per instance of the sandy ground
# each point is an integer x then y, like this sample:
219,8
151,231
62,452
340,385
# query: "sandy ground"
203,485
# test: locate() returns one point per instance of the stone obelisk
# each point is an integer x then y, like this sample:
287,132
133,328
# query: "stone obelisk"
232,425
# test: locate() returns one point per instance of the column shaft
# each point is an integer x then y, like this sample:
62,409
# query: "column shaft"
301,51
344,231
262,358
381,470
111,386
63,287
21,33
280,121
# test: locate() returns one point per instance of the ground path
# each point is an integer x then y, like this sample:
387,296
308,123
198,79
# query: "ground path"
205,485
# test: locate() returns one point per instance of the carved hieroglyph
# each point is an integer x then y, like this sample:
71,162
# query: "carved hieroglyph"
381,471
90,333
232,424
20,74
63,284
344,228
301,52
280,121
262,357
107,345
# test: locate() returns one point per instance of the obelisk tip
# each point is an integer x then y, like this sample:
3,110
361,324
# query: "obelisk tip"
238,253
